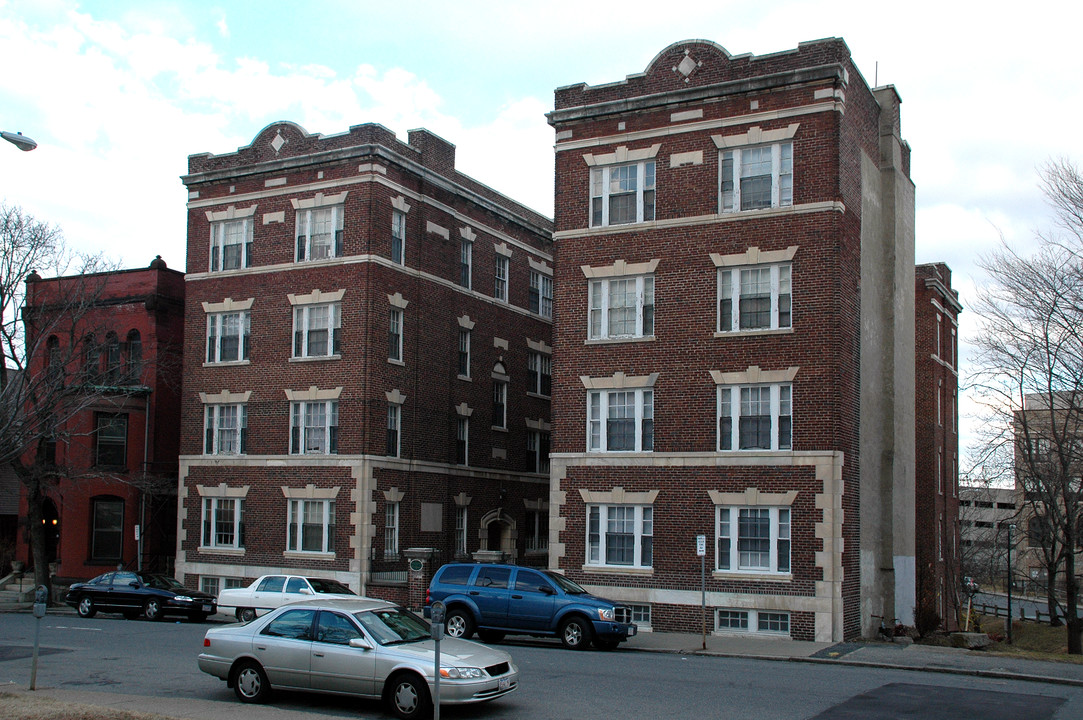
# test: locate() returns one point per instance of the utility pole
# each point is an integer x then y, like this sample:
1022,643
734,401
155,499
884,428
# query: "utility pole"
1010,528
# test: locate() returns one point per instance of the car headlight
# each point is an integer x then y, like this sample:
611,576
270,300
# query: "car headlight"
182,598
461,673
605,614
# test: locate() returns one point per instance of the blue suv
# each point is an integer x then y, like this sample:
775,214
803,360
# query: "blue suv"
496,600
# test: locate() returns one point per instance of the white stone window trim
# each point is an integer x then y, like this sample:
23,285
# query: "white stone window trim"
622,155
599,300
733,523
213,423
218,220
734,148
731,275
215,494
600,188
616,497
215,335
754,377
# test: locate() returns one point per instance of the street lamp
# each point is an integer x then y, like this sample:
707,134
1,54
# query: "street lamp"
19,140
1010,528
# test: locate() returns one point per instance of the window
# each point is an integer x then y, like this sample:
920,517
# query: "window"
107,529
225,429
227,337
462,441
537,451
540,373
756,298
316,330
292,625
464,353
112,358
500,404
460,534
620,420
314,428
466,256
537,530
319,233
92,360
54,363
398,237
753,539
622,307
733,620
621,194
500,287
541,294
641,614
774,622
111,440
223,523
394,423
391,530
757,177
620,535
134,357
760,620
394,336
335,629
312,526
231,244
755,417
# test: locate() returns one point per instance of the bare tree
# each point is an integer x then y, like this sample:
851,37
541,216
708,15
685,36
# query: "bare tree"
1029,373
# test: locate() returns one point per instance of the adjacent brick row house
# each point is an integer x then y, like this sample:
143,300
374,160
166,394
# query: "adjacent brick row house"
367,363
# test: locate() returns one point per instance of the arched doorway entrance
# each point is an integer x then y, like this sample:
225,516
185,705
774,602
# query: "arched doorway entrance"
499,533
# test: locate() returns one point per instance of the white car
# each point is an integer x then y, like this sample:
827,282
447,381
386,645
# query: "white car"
362,646
272,591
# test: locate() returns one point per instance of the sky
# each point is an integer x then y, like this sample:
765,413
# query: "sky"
118,94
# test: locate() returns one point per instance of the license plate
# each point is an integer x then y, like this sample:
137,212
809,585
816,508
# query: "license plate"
207,608
631,630
503,683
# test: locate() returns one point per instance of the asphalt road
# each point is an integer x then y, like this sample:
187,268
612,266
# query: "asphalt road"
111,655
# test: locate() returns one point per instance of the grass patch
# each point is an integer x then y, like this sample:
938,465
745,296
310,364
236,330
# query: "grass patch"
1037,641
28,706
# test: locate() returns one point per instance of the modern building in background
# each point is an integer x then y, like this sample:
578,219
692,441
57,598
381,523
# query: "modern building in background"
939,576
984,516
368,363
112,341
735,343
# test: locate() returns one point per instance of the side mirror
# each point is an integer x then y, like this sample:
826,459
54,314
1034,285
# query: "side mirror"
546,590
134,584
305,591
360,642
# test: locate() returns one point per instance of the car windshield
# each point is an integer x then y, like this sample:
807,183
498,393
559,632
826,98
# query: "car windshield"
394,625
329,586
565,584
162,582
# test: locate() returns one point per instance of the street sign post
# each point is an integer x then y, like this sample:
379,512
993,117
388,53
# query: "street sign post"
701,550
41,600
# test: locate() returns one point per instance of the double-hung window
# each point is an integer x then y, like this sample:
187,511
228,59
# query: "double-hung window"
622,307
464,352
225,429
316,330
753,539
394,429
319,233
231,244
622,194
398,237
755,417
620,420
460,530
754,178
312,526
537,530
754,298
394,336
227,336
462,441
620,535
537,451
500,403
500,278
111,440
223,523
539,373
466,259
314,427
391,530
541,294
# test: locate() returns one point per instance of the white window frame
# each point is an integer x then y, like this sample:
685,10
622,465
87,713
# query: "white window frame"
752,621
394,425
601,310
240,328
398,234
391,530
739,160
541,294
733,280
324,437
533,447
225,429
395,335
598,536
730,552
500,398
306,219
466,263
464,352
539,366
780,400
461,517
599,405
212,509
223,230
605,179
501,269
536,537
304,326
462,436
295,535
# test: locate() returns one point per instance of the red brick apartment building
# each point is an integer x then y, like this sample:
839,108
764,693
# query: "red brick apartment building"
939,545
367,363
114,341
734,346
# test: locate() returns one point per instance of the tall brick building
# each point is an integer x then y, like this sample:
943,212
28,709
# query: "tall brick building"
939,576
734,343
367,363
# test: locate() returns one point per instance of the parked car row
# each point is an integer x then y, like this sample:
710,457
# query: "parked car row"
139,594
271,591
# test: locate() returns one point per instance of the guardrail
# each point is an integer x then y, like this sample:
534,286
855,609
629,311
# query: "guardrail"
1035,615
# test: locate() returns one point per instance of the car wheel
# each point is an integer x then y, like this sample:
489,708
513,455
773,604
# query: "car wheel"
490,636
152,609
250,683
408,696
246,614
606,644
575,633
86,607
459,624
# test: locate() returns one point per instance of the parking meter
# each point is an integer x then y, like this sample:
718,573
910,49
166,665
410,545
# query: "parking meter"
439,610
438,613
41,601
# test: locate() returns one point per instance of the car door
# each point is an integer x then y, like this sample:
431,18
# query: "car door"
337,667
297,588
490,593
531,601
124,595
284,648
268,594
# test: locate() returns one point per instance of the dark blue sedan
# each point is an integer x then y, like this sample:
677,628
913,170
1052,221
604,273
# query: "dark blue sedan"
134,594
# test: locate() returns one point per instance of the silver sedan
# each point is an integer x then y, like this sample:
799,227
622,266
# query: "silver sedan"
360,647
